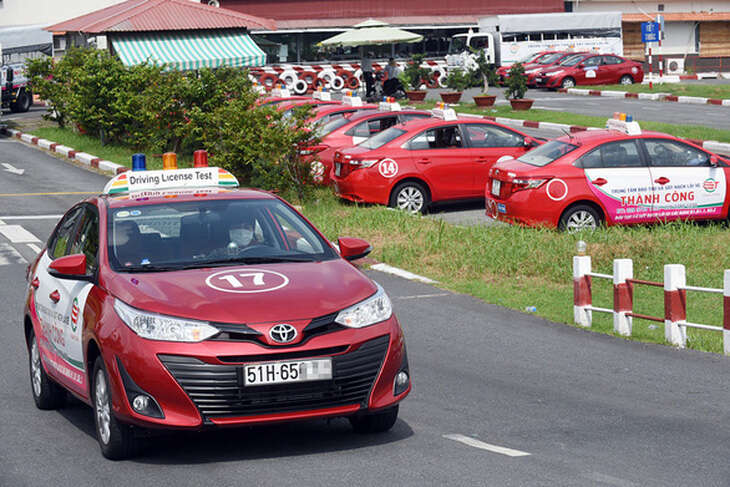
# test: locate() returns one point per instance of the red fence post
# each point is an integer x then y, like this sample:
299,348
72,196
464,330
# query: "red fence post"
582,299
623,301
675,304
726,312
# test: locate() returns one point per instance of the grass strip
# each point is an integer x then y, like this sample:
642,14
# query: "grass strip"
678,89
92,145
683,131
520,267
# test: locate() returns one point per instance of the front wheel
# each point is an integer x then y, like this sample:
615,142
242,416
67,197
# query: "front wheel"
379,422
626,80
22,103
568,83
46,393
116,439
410,196
580,217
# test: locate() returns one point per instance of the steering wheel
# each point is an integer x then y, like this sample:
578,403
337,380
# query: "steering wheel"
250,248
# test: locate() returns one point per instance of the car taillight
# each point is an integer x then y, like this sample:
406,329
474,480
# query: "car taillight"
358,163
521,184
308,151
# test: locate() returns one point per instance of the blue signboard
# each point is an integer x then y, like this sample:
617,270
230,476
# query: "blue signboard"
649,32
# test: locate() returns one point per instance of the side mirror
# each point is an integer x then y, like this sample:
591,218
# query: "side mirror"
713,161
530,142
70,267
353,248
581,66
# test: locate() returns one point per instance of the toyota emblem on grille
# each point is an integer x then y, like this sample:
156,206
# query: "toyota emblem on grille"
283,333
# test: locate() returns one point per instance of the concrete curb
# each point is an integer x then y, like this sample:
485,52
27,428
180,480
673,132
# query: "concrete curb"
695,100
68,152
710,145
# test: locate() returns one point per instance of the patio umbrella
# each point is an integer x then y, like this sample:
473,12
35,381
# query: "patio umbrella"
371,32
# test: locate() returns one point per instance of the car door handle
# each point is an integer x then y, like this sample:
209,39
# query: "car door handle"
662,180
599,182
35,283
482,159
424,161
55,296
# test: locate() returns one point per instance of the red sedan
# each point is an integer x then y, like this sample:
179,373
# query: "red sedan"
176,301
616,176
535,70
591,69
411,165
529,61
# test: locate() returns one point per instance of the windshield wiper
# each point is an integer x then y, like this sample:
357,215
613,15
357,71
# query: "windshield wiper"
150,268
273,259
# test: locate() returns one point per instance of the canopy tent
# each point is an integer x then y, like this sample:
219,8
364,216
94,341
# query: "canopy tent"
189,50
371,32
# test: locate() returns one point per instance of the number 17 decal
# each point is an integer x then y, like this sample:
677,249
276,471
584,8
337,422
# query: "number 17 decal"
246,281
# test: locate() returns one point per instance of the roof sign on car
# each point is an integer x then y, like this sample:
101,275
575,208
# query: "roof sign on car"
200,176
389,105
623,123
443,112
281,91
322,94
350,99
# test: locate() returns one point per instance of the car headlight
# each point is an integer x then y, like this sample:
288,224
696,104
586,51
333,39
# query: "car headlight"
372,310
530,71
161,327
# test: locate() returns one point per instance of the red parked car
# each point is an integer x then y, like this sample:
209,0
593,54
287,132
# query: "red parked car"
411,165
616,176
503,71
591,69
352,129
174,300
535,70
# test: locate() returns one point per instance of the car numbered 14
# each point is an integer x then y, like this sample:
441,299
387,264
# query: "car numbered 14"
285,372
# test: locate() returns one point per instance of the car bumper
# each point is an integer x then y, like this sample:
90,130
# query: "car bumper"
520,209
201,384
362,186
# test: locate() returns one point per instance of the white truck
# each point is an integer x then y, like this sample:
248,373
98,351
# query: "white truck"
507,39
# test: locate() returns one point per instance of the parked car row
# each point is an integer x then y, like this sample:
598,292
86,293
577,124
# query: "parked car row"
553,69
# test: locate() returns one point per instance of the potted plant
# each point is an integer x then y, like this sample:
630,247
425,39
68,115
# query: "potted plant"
457,80
413,77
517,87
485,73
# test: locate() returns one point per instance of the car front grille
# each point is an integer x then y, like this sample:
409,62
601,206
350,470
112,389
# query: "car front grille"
218,390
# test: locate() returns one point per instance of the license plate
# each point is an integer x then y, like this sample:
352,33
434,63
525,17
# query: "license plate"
286,372
496,186
338,168
501,208
538,80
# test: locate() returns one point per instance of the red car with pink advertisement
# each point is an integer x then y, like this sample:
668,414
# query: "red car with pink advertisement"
621,175
175,300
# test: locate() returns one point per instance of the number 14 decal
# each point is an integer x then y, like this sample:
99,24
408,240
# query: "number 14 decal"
258,279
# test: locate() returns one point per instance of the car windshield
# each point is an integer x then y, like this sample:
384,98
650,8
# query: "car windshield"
457,44
551,58
379,140
330,126
572,60
546,153
183,235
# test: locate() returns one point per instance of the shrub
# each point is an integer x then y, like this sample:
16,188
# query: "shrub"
483,72
458,79
516,83
414,75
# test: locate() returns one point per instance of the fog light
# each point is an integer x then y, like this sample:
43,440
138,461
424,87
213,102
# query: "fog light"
140,403
402,379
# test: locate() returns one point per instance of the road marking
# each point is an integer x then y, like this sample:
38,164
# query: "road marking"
401,273
60,193
12,169
29,217
486,446
18,234
422,296
34,248
8,255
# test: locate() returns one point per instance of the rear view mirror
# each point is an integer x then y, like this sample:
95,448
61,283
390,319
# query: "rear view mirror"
353,248
713,161
69,267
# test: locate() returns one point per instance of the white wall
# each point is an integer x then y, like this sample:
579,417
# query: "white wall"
651,7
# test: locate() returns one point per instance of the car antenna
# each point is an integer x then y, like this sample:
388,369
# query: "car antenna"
569,134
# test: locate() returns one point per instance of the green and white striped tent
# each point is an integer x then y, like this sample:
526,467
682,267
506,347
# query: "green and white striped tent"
183,51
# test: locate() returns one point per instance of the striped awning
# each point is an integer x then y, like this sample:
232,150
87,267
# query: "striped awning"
183,51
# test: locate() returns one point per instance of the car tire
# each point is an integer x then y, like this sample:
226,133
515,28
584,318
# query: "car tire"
410,196
116,439
46,393
567,82
580,217
626,80
23,103
379,422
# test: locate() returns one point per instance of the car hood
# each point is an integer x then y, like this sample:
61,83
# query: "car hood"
246,294
553,69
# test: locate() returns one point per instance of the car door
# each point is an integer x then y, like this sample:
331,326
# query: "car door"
589,73
487,143
687,185
610,70
60,303
441,155
619,178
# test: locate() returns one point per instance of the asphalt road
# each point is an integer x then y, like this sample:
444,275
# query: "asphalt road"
589,409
